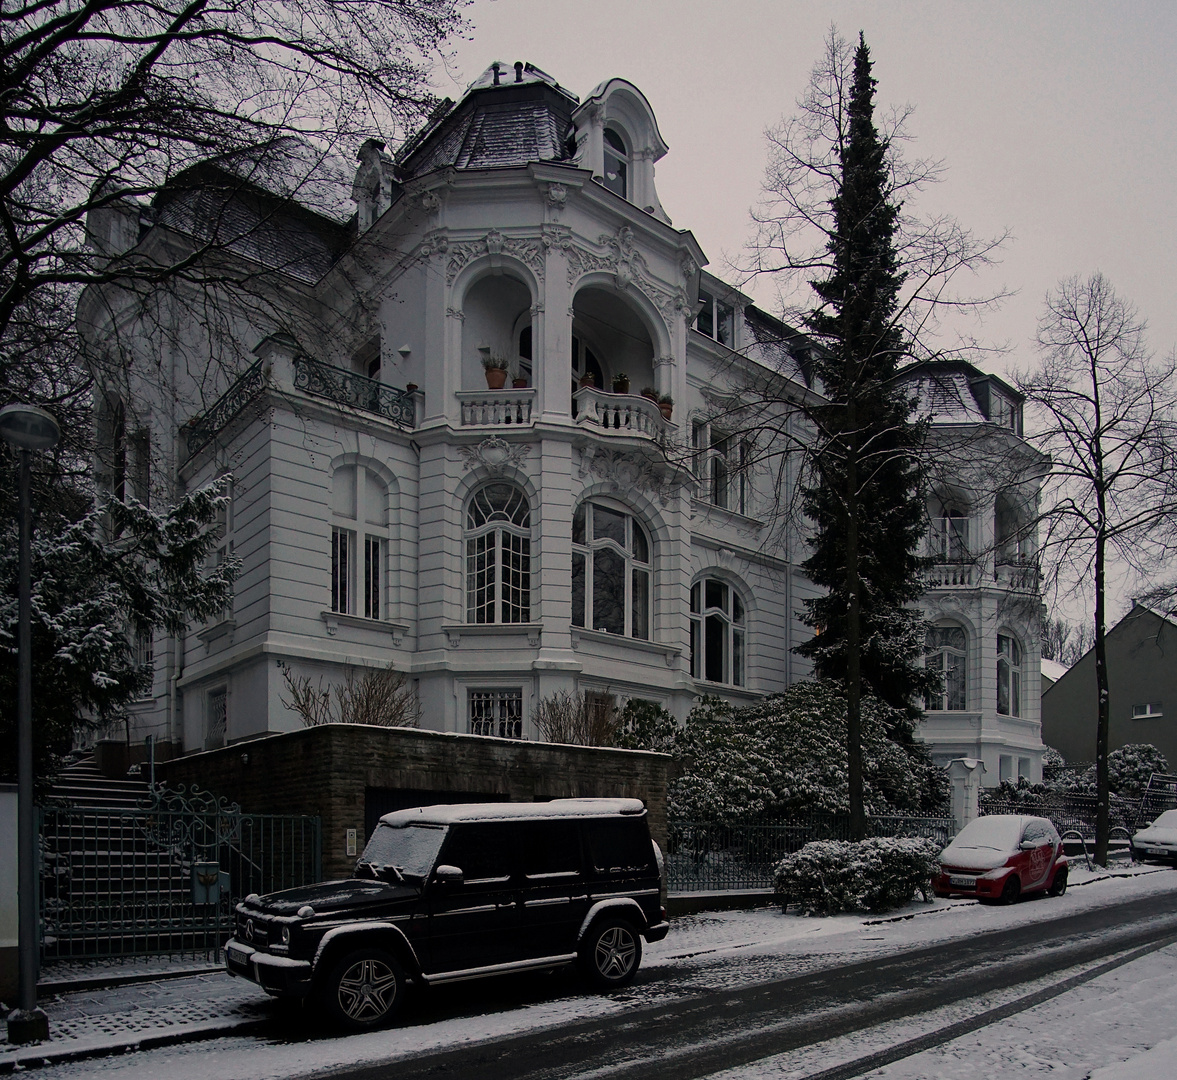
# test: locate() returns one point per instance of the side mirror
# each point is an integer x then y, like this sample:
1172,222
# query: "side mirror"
1027,845
448,875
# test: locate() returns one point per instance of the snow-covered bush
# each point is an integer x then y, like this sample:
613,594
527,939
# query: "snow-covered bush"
786,756
1130,767
878,874
646,725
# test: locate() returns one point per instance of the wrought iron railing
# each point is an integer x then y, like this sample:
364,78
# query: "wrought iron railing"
356,391
163,878
1068,812
720,857
203,429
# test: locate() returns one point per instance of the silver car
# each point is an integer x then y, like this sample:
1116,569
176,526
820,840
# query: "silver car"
1157,841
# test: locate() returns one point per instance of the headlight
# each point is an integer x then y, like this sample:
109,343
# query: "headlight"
286,935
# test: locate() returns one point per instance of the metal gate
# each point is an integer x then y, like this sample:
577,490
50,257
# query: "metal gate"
164,877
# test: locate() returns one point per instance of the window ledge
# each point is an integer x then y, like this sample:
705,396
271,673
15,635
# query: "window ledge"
732,515
702,686
335,619
669,653
217,630
454,632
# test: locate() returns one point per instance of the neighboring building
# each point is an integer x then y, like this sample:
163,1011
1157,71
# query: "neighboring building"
391,506
1142,685
1052,671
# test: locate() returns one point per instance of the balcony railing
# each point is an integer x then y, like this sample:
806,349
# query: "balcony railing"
202,429
621,414
953,576
1018,577
496,408
355,391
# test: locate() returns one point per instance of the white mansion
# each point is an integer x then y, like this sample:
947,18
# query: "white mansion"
393,502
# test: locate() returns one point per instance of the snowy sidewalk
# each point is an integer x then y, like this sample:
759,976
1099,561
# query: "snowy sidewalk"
104,1008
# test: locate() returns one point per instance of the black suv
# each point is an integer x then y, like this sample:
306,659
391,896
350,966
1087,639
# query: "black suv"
443,893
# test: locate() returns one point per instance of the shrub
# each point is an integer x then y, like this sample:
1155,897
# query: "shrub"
879,874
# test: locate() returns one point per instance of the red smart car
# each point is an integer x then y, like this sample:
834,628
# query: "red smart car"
1000,857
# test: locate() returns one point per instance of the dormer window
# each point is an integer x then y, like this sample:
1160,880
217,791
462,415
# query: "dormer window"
616,163
1005,413
717,320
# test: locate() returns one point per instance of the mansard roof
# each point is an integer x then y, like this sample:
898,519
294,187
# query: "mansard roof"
508,116
955,391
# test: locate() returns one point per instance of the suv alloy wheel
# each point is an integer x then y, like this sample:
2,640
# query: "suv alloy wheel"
364,989
611,953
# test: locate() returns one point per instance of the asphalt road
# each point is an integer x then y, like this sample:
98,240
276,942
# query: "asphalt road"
708,1031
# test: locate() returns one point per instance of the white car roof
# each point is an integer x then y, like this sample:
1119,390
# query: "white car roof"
448,813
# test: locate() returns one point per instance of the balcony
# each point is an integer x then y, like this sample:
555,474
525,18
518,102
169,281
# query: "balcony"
355,391
953,576
1018,576
620,414
203,428
496,408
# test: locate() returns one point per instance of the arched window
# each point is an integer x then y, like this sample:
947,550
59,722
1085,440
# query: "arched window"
610,572
616,163
359,543
950,533
945,651
1009,676
717,632
1013,541
498,556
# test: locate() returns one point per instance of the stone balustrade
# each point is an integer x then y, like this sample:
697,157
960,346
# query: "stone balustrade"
621,414
953,576
496,408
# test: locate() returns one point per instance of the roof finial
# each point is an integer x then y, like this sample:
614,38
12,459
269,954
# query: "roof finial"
495,68
518,70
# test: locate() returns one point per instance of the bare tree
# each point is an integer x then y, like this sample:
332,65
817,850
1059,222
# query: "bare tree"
1104,411
574,718
381,698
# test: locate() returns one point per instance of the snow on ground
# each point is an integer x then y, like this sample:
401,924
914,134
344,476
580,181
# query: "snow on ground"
1112,1019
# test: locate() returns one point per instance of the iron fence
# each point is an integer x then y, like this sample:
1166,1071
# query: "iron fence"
707,856
1069,813
163,878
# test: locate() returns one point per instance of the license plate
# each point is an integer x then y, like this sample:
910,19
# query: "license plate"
962,881
1155,851
237,955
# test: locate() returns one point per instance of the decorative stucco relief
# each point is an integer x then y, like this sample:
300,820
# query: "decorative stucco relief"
625,472
529,251
495,455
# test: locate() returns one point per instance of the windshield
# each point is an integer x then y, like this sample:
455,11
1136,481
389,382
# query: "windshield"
1000,832
1168,820
412,849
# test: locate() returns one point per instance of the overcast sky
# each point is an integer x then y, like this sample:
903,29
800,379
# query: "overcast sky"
1055,120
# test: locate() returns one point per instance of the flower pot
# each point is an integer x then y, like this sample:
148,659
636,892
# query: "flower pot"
410,387
496,377
587,380
666,409
621,386
519,384
651,395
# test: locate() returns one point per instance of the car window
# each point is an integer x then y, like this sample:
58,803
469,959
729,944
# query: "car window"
1000,832
549,848
410,848
1037,832
618,845
482,851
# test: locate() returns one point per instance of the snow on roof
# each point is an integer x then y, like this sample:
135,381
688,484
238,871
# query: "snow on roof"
1053,670
448,813
945,395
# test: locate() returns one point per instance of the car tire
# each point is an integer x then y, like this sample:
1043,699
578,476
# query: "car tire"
610,953
1011,890
1059,885
363,990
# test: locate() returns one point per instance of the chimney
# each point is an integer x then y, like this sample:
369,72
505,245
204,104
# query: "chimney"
495,68
518,70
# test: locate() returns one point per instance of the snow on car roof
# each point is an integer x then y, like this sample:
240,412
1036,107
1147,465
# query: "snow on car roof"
448,813
993,830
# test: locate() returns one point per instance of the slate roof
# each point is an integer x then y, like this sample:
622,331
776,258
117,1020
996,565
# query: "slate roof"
494,126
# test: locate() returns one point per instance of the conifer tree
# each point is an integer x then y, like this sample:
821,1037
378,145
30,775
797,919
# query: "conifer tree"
864,498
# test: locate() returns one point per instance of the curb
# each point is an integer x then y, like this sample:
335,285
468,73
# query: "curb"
100,982
41,1056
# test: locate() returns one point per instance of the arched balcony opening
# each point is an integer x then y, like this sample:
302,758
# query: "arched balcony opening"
495,311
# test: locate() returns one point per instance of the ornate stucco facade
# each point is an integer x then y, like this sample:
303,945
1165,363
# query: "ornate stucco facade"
498,545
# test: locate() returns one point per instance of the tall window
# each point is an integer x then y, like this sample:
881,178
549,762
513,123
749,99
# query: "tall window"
610,572
498,556
359,543
1013,543
1009,676
616,163
949,539
497,712
721,466
216,718
717,633
717,320
945,652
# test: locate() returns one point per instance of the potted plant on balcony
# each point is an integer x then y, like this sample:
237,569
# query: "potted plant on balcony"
496,371
651,393
621,383
519,379
588,379
666,406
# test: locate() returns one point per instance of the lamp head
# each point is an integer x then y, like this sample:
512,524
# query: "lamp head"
28,428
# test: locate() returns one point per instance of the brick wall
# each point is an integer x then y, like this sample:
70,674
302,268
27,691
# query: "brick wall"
325,771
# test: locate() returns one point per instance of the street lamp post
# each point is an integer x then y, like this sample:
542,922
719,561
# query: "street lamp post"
26,428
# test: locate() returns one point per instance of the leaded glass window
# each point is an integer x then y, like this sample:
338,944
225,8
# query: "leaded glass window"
1009,676
498,555
945,651
611,571
717,632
